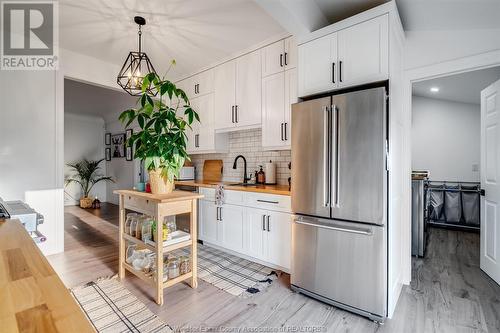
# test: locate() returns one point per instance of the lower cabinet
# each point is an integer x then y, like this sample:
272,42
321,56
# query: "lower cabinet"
258,233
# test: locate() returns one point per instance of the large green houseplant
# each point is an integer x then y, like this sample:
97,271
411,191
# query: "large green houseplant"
86,174
161,140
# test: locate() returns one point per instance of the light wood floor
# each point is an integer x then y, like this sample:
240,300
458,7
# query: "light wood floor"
449,293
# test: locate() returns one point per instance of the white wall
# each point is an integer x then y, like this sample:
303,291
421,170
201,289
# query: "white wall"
31,147
446,139
83,138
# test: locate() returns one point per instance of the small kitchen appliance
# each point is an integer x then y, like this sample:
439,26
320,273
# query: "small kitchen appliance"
29,218
187,173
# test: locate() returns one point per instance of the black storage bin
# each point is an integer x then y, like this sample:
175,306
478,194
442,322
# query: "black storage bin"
470,205
435,200
453,204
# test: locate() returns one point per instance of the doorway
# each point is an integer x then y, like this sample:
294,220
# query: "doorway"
449,162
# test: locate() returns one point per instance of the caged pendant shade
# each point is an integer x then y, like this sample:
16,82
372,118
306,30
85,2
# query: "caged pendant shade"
136,66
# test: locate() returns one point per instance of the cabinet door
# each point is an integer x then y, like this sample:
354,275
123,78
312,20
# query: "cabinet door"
317,65
278,238
290,98
232,227
203,83
290,58
273,58
224,94
363,51
254,236
273,110
187,85
248,89
208,222
205,129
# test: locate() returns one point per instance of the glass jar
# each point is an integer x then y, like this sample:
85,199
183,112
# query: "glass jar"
138,227
164,231
133,225
171,228
128,222
130,254
146,229
173,268
184,265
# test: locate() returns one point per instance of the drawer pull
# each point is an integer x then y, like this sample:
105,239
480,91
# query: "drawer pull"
268,201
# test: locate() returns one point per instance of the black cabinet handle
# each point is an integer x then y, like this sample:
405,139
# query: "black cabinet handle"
340,71
232,114
285,131
220,214
217,213
333,72
281,60
267,201
268,217
286,62
281,131
264,222
236,113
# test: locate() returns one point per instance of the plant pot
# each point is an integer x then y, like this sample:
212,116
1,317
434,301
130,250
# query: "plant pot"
158,183
86,202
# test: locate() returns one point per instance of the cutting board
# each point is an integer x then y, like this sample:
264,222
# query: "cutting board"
212,170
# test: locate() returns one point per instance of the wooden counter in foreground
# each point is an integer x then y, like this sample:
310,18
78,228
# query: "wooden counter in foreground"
32,296
269,189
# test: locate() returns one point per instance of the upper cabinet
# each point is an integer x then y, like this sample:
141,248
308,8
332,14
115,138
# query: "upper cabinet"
355,55
279,56
199,84
237,85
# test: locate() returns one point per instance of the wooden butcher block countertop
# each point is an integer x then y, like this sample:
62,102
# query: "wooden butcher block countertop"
269,189
32,296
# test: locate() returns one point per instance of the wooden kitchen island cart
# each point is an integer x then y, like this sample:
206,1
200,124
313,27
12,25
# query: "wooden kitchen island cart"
158,206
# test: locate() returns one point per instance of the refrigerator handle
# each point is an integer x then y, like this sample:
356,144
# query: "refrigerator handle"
360,231
326,158
335,187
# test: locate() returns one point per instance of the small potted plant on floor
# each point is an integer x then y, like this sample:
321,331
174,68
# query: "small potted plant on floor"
86,174
161,140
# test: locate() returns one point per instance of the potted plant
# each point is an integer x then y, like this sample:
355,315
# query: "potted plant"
86,173
161,140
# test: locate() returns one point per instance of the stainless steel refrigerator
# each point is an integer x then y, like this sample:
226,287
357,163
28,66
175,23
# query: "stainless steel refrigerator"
339,200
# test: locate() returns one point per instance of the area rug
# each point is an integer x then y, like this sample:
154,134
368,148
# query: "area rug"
235,275
110,307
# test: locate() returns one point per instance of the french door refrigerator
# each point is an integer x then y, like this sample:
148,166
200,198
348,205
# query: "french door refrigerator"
339,200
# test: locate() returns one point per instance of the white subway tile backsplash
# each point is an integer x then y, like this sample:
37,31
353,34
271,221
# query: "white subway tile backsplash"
249,144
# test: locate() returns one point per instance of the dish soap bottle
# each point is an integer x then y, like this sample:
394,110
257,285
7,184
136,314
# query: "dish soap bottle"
261,176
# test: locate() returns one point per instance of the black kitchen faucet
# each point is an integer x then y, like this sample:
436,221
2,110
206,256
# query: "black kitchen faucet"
245,178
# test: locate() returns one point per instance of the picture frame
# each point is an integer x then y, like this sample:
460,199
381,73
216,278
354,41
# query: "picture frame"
118,145
128,154
128,133
107,139
108,154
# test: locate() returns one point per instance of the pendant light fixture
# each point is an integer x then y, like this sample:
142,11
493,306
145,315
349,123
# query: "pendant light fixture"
136,66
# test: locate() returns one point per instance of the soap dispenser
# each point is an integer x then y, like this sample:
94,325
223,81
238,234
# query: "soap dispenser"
261,176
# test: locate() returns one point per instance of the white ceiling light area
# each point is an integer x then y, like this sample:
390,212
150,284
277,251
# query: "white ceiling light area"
86,99
196,33
463,88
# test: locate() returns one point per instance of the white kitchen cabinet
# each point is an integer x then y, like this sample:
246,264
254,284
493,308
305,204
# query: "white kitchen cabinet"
279,92
318,66
199,84
268,236
202,137
255,226
279,237
248,90
352,56
363,52
237,85
231,225
208,222
279,56
225,94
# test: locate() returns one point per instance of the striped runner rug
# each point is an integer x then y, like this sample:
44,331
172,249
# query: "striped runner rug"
110,307
235,275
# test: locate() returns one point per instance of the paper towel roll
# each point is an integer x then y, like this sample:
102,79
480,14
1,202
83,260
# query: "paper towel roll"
270,173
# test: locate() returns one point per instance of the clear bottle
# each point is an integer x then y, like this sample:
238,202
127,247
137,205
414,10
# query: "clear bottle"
146,229
133,225
173,268
171,226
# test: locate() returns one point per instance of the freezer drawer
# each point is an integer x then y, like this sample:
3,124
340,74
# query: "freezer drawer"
343,263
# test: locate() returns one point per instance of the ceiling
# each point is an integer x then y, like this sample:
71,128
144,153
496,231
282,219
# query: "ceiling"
464,88
337,10
86,99
196,33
